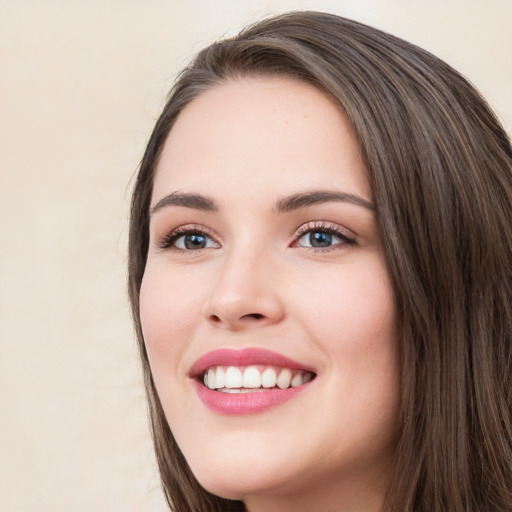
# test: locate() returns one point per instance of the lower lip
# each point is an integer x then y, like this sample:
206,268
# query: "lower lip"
238,404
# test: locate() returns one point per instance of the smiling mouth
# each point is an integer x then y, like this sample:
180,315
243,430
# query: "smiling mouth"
253,379
234,382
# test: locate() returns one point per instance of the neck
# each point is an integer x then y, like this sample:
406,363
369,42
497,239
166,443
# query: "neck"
351,496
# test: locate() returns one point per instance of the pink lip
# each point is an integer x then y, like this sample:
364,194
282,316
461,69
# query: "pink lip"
244,357
244,403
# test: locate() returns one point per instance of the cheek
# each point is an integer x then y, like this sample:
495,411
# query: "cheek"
369,311
351,309
353,320
168,317
167,308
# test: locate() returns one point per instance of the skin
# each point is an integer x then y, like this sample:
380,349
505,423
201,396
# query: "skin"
247,144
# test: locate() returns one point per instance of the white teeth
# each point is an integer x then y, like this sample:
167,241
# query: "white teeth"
219,378
240,390
211,379
252,378
285,378
233,378
296,380
269,378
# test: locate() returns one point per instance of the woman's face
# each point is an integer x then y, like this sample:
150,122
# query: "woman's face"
266,280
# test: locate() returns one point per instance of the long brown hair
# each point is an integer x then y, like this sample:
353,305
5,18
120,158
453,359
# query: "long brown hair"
439,165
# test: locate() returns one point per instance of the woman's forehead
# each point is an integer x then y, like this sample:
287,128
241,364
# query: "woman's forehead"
260,131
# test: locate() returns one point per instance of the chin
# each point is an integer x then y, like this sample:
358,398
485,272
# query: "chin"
237,474
233,487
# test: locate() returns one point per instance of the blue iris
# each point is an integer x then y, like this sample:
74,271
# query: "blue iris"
320,239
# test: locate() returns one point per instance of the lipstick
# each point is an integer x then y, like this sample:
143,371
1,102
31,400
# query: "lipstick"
247,381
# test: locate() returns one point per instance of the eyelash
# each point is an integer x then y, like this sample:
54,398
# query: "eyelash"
346,236
167,242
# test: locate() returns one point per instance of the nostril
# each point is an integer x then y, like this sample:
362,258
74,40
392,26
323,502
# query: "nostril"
235,320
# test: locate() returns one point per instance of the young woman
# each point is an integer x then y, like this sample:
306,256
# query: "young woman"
320,275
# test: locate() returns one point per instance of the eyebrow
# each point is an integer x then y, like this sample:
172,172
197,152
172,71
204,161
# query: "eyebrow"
196,201
286,204
310,198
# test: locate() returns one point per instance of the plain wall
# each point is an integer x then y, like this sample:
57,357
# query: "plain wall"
81,85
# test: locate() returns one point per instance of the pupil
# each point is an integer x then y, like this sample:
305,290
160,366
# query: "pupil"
319,239
195,241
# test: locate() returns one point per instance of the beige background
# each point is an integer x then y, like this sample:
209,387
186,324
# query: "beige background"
81,84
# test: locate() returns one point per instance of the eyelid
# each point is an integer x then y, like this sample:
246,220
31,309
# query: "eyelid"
166,241
345,234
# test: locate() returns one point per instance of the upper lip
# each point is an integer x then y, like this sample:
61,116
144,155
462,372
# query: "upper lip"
244,357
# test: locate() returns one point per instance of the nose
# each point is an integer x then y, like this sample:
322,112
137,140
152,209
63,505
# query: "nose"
245,294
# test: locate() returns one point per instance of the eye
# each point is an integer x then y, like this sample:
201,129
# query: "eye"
323,236
318,239
193,241
188,239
